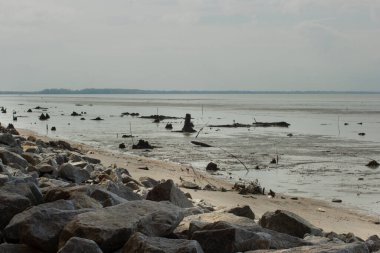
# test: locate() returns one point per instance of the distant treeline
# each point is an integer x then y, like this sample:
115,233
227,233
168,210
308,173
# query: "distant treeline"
137,91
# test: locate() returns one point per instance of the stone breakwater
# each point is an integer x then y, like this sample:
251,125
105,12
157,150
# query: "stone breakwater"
55,198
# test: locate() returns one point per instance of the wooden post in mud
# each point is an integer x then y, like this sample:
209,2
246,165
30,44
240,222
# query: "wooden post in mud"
188,126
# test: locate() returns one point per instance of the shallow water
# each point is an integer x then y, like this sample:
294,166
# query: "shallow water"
323,159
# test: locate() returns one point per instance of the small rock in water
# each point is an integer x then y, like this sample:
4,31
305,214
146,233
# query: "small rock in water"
142,145
294,198
97,118
53,128
373,164
361,134
122,146
212,166
273,161
360,179
169,126
337,200
290,135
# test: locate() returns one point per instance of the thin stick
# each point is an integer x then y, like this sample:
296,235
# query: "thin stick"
338,127
130,131
235,158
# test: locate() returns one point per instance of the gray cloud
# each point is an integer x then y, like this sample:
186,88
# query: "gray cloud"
183,44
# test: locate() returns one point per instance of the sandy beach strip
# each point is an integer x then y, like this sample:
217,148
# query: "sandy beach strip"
326,215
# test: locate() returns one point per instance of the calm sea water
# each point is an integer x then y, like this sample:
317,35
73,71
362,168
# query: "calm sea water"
324,158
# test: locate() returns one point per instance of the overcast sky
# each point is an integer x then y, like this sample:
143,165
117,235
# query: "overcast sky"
190,44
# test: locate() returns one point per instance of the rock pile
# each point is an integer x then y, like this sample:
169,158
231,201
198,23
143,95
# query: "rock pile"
53,198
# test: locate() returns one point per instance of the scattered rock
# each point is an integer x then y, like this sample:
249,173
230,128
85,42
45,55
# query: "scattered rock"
7,139
97,119
169,126
142,144
40,228
75,114
10,205
190,185
17,248
223,237
243,211
373,164
80,245
167,191
9,157
212,167
289,223
111,227
142,243
44,116
72,173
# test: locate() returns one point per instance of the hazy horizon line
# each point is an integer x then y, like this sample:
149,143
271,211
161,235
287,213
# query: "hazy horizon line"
57,91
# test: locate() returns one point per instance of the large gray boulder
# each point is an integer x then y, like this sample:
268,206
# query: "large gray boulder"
288,223
17,248
357,247
10,158
373,243
80,245
111,227
167,191
142,243
12,231
72,173
223,237
10,205
100,195
41,227
7,139
26,189
122,191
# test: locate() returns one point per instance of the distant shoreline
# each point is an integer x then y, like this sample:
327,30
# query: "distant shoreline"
138,91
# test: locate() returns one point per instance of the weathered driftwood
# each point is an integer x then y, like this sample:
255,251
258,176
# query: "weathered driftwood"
159,117
255,124
198,143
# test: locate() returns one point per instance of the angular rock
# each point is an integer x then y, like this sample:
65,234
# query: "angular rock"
212,167
190,185
27,189
102,196
7,139
111,227
10,205
142,243
223,237
72,173
80,245
167,191
9,157
373,243
289,223
243,211
17,248
122,191
12,231
207,218
41,227
148,182
44,168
